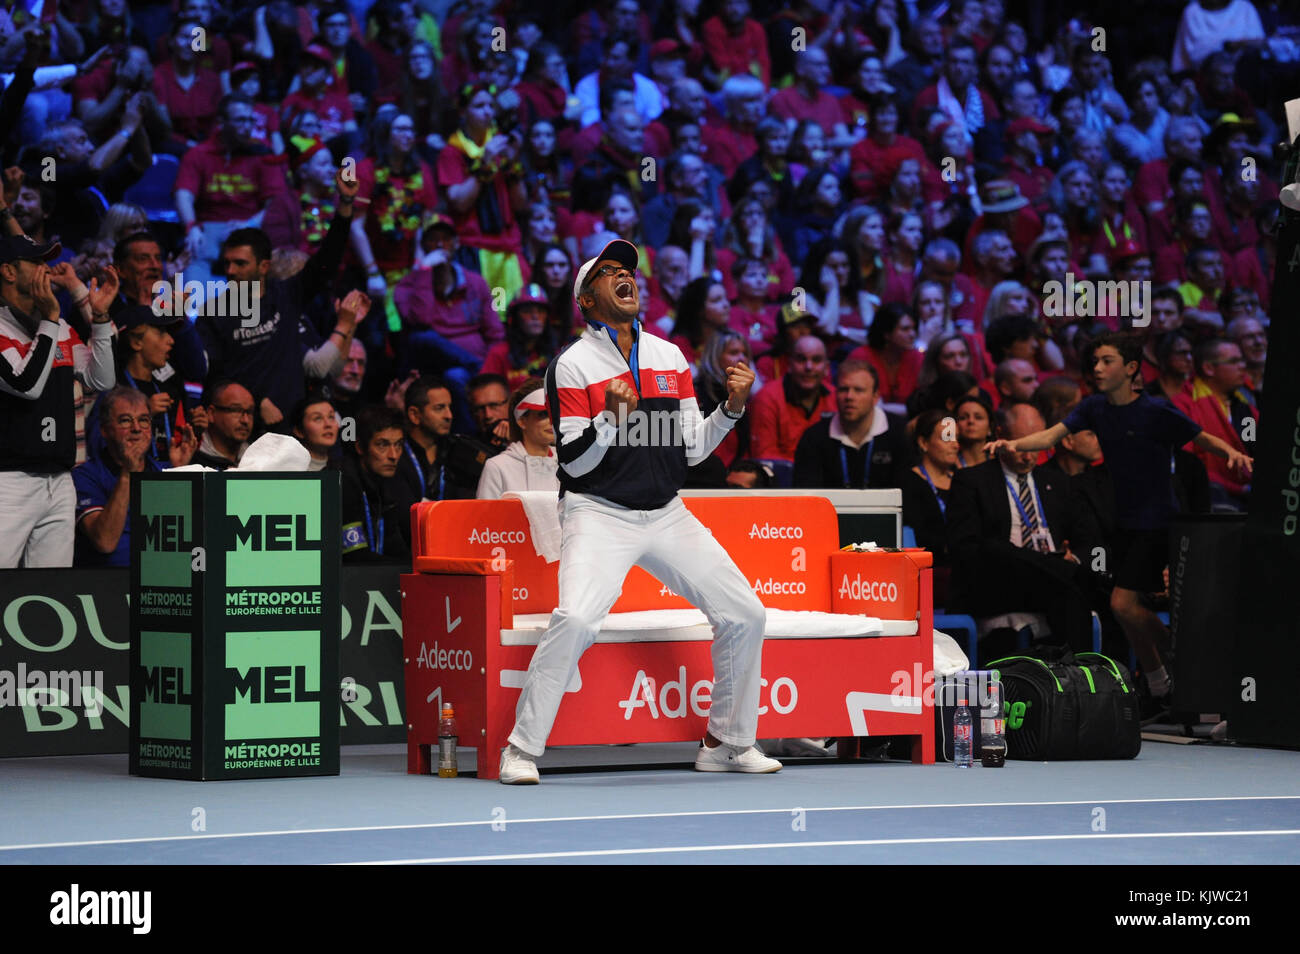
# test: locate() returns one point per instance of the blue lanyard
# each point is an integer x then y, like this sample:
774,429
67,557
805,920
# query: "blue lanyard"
943,507
419,469
1024,517
866,466
376,545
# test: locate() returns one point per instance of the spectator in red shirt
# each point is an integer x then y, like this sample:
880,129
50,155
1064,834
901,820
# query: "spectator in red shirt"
329,101
956,94
749,233
735,46
874,160
903,261
188,90
246,79
787,407
299,217
224,184
730,143
751,314
891,350
1193,226
1217,400
483,179
995,261
1025,140
529,344
1153,189
399,188
446,310
807,98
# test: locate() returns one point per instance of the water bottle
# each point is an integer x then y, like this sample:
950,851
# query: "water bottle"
447,742
993,742
961,731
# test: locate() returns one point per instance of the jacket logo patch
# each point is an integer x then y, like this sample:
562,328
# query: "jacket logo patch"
666,384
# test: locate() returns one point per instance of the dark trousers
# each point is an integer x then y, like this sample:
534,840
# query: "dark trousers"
1019,580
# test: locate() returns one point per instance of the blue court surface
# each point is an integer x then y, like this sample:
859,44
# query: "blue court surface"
1177,804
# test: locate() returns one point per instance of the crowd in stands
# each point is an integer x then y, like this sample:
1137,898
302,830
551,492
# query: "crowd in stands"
887,208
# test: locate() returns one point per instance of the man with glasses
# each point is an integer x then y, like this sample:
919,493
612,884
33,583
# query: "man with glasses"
230,423
351,65
619,508
103,482
1218,400
224,184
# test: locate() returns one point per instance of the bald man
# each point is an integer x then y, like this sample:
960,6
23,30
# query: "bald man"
1010,526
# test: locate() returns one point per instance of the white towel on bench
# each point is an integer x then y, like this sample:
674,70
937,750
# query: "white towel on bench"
541,507
681,625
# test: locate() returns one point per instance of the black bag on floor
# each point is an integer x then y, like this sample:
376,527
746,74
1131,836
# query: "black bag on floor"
1080,706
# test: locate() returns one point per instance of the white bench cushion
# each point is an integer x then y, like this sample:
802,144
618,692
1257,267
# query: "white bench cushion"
679,625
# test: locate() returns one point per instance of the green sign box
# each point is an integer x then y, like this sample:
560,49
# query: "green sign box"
235,621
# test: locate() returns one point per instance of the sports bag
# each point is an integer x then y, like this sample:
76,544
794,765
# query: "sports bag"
1077,706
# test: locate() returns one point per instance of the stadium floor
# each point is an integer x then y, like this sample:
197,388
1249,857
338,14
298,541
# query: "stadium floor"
1183,804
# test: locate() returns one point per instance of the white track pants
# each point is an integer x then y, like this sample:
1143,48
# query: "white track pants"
37,519
601,543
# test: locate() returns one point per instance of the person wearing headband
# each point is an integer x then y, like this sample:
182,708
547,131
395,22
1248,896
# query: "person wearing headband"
529,463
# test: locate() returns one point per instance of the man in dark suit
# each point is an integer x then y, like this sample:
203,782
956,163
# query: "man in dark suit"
1009,534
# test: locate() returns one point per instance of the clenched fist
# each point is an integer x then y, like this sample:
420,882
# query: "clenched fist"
739,381
620,398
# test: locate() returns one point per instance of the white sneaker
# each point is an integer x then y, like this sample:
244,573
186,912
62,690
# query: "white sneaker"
733,758
517,767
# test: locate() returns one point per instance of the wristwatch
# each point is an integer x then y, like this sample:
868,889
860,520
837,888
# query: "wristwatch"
727,413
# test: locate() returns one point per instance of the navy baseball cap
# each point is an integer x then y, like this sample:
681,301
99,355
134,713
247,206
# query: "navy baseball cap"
619,250
15,248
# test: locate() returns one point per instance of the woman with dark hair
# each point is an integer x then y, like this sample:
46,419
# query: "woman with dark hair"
1174,359
530,341
891,350
863,228
547,172
553,270
832,294
623,218
544,89
974,416
422,98
484,182
538,229
189,91
945,353
868,82
791,325
702,312
906,232
472,56
822,197
948,388
807,151
925,487
749,234
725,349
399,189
316,426
693,229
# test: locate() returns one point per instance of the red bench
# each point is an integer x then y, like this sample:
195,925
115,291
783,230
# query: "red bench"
479,597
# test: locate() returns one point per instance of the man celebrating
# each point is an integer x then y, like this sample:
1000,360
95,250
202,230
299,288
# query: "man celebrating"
619,508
